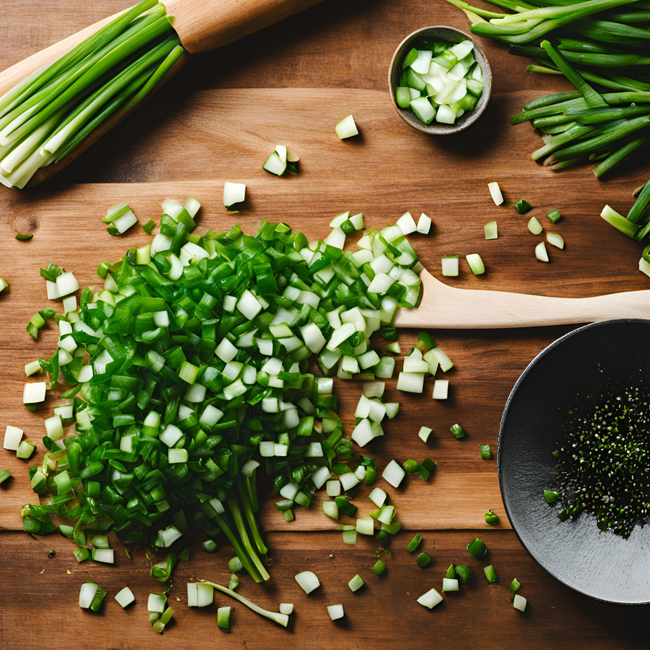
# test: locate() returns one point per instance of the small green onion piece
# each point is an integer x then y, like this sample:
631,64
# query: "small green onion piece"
81,554
551,496
619,222
234,582
477,548
427,340
3,285
491,230
451,572
514,586
379,567
422,560
389,333
464,573
491,518
100,541
4,475
475,263
486,453
411,466
414,543
356,583
394,348
20,237
25,450
51,553
554,216
347,128
235,565
458,431
223,617
523,206
103,269
209,545
424,433
490,574
149,226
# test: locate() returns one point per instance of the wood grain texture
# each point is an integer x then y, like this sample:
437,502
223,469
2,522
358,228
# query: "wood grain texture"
217,121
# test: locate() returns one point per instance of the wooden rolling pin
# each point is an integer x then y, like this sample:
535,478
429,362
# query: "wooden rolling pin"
443,306
201,25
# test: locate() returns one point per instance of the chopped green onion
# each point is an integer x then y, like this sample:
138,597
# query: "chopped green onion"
223,617
379,567
422,560
495,193
356,583
491,230
4,475
148,227
450,266
414,543
235,564
486,454
551,496
475,263
20,237
464,573
477,548
430,599
523,206
125,597
514,586
554,216
458,431
347,128
424,433
209,545
491,518
81,554
490,574
449,584
451,572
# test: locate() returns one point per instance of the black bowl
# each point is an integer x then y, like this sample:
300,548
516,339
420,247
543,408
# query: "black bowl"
573,373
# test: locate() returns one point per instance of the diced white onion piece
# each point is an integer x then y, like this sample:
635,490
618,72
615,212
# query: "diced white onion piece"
274,164
226,351
393,473
422,62
233,193
462,49
378,497
66,284
644,267
13,437
160,243
491,230
519,602
170,207
34,393
450,266
424,224
248,305
475,263
444,361
432,361
440,389
541,253
380,284
308,581
554,239
423,108
192,206
124,222
336,238
339,219
333,488
335,611
170,435
286,608
104,555
52,290
85,374
374,388
204,594
424,433
279,449
191,251
449,584
365,526
54,427
331,509
410,382
348,481
430,599
495,193
86,594
340,335
157,603
125,597
445,114
363,433
407,224
415,365
320,476
347,128
392,409
313,337
535,226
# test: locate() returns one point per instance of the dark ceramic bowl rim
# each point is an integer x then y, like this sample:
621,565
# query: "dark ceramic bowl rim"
436,128
511,397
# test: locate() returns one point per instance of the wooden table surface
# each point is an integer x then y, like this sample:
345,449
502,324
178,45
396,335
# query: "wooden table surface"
291,84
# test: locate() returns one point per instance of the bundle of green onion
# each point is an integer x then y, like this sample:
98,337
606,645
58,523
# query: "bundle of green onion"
597,43
46,116
191,368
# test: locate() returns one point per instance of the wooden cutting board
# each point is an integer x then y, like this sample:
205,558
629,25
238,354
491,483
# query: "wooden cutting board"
291,84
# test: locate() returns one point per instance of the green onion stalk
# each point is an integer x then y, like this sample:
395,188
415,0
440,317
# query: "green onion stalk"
48,115
602,47
191,369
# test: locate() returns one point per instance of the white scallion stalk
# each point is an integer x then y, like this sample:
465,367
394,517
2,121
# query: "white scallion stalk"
104,555
233,193
449,584
156,603
286,608
34,393
541,253
495,193
519,602
394,473
335,611
274,164
424,433
445,362
430,599
378,497
87,594
125,597
555,240
365,526
406,224
424,224
491,230
475,263
410,382
13,437
450,266
441,389
535,226
347,128
308,581
644,267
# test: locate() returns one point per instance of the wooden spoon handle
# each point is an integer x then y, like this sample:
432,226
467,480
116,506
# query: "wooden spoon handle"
469,309
204,25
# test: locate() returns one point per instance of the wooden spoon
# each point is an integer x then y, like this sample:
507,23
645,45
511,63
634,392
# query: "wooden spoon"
201,25
443,306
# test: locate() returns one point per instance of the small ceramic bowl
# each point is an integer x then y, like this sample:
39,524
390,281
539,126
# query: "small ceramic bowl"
451,35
